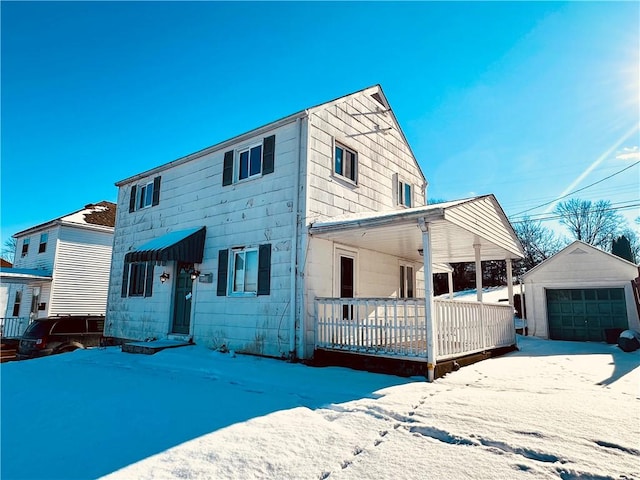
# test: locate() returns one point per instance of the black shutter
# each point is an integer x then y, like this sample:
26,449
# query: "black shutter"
148,288
125,280
156,191
268,154
264,269
223,267
132,199
227,169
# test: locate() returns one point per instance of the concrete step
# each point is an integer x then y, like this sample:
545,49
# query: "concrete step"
149,348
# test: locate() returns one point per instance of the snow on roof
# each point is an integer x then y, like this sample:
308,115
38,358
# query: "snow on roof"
167,240
100,214
10,272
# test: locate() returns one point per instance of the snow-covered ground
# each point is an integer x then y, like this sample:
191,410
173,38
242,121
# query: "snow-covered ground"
552,410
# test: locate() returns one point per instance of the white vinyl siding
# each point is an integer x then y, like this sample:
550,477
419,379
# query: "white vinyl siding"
81,278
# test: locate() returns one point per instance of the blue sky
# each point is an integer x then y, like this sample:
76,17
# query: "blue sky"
524,100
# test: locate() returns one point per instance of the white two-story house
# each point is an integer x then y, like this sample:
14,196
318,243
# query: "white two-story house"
243,243
61,267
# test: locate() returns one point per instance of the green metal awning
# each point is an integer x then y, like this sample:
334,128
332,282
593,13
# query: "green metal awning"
181,246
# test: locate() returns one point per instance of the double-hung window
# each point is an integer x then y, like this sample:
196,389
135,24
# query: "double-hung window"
145,195
407,281
44,237
345,162
25,247
245,271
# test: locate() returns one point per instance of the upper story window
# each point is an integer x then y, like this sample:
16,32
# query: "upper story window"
44,237
25,247
249,161
403,192
345,162
145,195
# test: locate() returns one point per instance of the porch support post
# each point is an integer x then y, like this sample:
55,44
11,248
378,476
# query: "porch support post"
476,247
509,280
450,283
430,323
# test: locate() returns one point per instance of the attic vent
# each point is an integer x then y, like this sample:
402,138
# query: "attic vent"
376,96
578,251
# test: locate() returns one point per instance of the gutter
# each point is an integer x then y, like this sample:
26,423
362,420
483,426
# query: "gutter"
377,221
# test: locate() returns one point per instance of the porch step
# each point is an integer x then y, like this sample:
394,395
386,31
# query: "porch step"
149,348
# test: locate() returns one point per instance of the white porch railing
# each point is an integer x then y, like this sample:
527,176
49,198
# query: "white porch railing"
397,327
380,326
13,327
469,327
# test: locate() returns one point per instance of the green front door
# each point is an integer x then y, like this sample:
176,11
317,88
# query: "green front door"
584,314
182,301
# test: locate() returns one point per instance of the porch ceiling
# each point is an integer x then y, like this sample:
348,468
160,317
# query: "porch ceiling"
455,227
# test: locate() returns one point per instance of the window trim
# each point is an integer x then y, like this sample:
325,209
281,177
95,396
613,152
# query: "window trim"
43,245
142,195
237,154
232,272
400,192
403,274
144,273
339,145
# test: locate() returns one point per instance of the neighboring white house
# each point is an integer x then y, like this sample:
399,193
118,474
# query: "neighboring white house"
235,244
579,293
61,267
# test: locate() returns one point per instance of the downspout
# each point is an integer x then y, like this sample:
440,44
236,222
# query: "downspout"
294,252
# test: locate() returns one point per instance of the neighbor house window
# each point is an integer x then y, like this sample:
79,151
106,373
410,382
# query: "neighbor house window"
244,270
137,279
407,282
145,195
25,247
16,303
345,162
44,237
249,161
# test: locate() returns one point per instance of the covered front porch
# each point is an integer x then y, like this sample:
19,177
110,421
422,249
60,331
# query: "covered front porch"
422,328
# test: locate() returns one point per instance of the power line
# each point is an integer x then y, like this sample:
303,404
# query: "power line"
612,206
557,217
578,190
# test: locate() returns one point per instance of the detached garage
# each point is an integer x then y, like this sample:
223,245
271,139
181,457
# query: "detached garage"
579,294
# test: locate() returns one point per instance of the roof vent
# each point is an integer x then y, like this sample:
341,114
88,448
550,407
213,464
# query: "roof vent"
376,96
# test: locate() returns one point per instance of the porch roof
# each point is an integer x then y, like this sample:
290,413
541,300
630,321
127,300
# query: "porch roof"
455,227
183,246
11,273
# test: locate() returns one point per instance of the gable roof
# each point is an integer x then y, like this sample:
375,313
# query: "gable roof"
375,91
101,214
455,226
577,247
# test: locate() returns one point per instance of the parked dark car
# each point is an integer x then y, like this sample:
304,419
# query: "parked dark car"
52,335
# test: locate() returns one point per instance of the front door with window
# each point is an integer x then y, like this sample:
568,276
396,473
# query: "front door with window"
346,265
182,301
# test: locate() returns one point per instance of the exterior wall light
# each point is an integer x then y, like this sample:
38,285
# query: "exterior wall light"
194,274
164,276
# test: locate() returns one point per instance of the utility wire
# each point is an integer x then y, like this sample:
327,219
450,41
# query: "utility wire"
557,217
578,190
612,206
